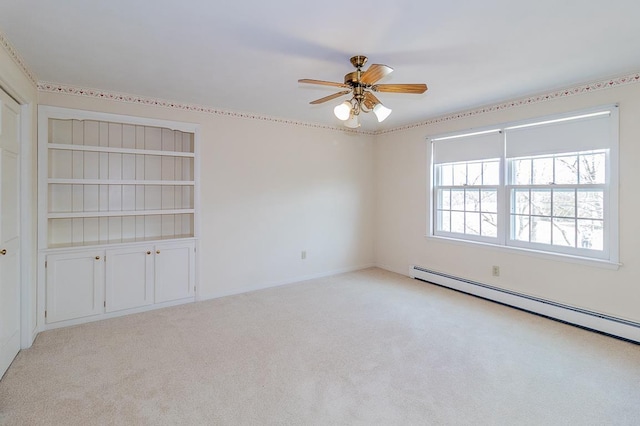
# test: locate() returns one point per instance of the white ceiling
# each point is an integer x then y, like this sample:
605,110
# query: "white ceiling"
247,56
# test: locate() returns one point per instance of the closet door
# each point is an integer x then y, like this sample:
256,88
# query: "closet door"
9,230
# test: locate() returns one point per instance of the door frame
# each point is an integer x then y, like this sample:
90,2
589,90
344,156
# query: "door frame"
28,323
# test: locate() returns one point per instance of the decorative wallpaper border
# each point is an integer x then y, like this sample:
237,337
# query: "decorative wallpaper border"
17,58
123,97
562,93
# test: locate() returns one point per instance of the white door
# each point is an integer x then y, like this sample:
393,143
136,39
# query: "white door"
75,285
175,271
9,230
129,278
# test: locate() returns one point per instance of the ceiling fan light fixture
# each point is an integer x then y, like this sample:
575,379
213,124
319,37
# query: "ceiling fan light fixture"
352,122
361,84
381,112
343,111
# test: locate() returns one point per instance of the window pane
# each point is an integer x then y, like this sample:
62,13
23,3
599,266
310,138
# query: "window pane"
444,200
489,200
541,230
564,232
446,175
457,199
590,204
520,201
444,221
521,170
472,200
520,227
457,222
489,225
474,174
564,203
472,225
592,168
541,202
542,173
491,173
460,174
566,169
591,234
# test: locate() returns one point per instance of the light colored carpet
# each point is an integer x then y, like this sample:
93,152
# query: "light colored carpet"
363,348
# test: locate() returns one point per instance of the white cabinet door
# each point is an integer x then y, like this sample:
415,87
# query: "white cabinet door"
129,278
175,271
75,285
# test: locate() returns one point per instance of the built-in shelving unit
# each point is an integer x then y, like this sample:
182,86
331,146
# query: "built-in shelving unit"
113,182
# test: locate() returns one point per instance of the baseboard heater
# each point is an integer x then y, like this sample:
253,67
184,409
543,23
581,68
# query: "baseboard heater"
627,330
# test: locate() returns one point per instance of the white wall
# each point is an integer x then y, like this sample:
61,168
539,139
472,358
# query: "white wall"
268,191
402,186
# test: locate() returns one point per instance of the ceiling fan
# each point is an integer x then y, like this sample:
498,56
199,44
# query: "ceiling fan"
361,84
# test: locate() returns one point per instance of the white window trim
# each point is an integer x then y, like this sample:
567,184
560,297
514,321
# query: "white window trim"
503,243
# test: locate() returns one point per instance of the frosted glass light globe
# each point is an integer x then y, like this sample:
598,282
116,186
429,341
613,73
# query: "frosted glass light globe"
343,111
381,112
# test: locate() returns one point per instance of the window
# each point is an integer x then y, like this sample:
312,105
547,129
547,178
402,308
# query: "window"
559,200
467,198
546,185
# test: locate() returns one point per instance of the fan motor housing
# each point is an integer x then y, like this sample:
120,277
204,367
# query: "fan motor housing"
353,79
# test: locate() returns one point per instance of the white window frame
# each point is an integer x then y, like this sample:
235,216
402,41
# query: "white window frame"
498,188
610,253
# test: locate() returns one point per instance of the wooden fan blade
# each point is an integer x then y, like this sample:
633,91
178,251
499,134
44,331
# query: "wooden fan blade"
375,73
400,88
322,83
328,98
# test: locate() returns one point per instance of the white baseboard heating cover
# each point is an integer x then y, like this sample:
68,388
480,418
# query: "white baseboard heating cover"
606,324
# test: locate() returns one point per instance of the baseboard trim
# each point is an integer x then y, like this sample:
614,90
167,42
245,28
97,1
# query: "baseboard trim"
297,279
391,269
606,324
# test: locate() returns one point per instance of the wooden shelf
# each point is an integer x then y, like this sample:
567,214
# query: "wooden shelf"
56,181
118,213
89,148
121,241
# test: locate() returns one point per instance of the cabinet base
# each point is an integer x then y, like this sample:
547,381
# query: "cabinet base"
104,316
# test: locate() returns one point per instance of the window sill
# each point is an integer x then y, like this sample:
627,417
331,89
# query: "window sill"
557,257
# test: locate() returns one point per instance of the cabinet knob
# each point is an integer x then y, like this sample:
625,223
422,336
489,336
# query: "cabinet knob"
149,252
157,251
3,252
97,257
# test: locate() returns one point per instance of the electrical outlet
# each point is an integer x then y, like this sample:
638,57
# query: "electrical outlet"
303,254
495,271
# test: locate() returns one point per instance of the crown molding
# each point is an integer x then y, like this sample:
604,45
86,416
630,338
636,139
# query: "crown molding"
13,53
44,86
561,93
